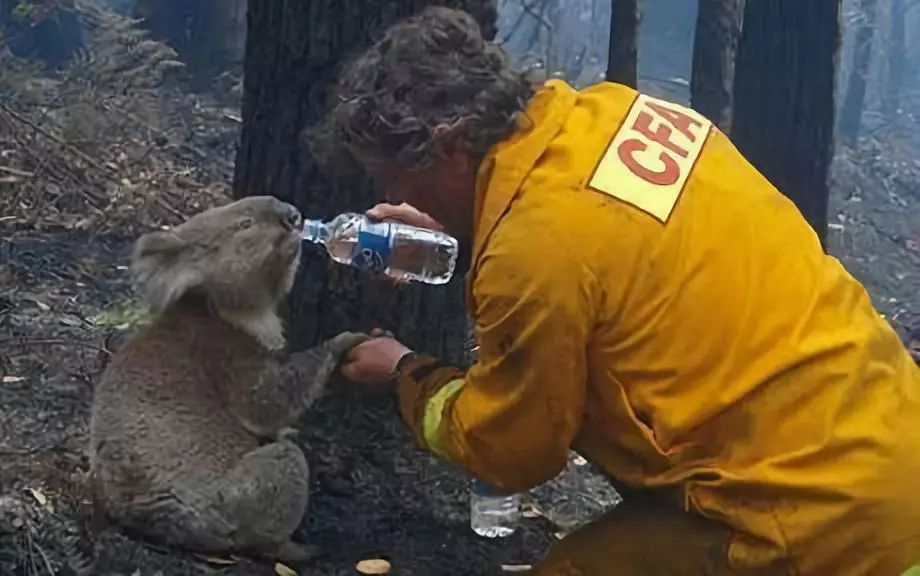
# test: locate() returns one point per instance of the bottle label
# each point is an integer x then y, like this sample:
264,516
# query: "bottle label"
375,243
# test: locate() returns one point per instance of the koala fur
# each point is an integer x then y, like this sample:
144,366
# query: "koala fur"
189,420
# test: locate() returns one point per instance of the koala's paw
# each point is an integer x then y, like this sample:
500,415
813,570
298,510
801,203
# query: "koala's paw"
315,366
287,433
344,342
294,554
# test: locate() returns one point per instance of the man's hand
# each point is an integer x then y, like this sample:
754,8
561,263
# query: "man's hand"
405,213
374,362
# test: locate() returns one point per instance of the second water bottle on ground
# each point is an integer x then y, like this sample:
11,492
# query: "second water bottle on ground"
399,250
493,513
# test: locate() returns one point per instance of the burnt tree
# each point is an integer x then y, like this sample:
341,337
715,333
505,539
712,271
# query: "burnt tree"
783,118
855,99
622,54
715,44
896,49
293,53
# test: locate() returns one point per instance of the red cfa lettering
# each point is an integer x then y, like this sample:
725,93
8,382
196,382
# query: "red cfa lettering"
677,119
669,174
661,134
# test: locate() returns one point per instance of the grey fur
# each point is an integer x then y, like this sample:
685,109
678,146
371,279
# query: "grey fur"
191,419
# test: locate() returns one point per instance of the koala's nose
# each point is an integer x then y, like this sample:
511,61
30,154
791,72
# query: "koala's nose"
291,217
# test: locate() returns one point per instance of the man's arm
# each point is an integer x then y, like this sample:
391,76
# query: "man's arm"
512,418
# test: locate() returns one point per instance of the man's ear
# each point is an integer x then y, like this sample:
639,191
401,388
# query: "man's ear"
161,242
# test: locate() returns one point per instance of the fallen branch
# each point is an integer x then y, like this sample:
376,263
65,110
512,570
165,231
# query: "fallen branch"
163,134
16,171
83,155
170,208
23,342
4,451
33,545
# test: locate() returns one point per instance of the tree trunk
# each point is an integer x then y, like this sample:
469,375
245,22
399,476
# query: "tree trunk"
718,27
293,52
622,56
784,98
897,61
855,99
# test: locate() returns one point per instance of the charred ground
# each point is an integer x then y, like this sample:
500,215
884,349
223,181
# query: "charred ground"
92,156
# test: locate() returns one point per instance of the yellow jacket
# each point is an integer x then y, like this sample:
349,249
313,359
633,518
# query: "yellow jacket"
643,295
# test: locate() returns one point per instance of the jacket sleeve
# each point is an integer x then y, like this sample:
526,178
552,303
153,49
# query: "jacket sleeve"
511,419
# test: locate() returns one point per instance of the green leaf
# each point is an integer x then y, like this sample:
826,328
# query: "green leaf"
122,317
23,11
912,571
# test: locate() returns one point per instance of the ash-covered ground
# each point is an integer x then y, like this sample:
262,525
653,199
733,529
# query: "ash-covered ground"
94,155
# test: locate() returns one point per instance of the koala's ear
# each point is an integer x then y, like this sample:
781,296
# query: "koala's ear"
158,270
161,242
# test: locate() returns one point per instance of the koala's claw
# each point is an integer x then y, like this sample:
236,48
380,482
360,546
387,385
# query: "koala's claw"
344,342
287,433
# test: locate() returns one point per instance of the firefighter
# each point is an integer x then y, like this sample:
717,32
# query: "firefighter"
643,296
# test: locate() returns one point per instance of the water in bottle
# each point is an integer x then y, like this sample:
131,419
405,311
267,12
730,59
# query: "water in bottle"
493,514
399,250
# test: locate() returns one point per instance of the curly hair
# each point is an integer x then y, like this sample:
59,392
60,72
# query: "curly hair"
428,72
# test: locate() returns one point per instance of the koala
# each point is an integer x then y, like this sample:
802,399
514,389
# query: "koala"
189,444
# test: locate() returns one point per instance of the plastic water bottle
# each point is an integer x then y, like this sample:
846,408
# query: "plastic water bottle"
493,514
399,250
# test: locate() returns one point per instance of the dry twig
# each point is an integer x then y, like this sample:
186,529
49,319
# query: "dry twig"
84,156
25,342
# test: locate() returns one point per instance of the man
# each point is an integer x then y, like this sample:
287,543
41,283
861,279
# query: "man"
644,296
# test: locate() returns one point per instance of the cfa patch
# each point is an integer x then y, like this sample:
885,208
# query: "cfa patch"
650,158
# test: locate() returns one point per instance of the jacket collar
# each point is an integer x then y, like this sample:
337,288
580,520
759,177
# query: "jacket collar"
507,165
